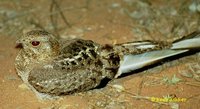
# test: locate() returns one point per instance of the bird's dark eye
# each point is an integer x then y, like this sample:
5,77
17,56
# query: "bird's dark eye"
35,43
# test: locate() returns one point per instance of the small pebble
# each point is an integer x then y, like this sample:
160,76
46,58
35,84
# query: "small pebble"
119,88
23,86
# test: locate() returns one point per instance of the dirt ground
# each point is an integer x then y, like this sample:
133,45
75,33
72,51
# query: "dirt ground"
105,21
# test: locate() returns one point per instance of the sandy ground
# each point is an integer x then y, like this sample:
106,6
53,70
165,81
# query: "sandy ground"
105,21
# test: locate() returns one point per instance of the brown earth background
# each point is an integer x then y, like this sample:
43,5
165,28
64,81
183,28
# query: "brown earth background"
111,22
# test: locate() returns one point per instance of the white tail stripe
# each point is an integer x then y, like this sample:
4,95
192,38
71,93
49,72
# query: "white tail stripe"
187,44
145,46
134,62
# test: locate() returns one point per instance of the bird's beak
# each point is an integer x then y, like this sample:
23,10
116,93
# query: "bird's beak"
19,44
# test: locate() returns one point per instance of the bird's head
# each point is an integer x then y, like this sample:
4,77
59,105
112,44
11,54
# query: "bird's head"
39,44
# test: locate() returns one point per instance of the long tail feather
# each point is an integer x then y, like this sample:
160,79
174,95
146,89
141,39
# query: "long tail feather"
191,41
133,62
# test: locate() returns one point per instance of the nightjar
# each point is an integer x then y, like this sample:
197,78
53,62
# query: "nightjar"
54,67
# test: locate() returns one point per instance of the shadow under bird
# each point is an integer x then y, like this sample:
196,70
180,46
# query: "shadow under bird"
51,67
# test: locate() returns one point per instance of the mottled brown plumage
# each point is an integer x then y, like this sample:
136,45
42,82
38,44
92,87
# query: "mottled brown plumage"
52,67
